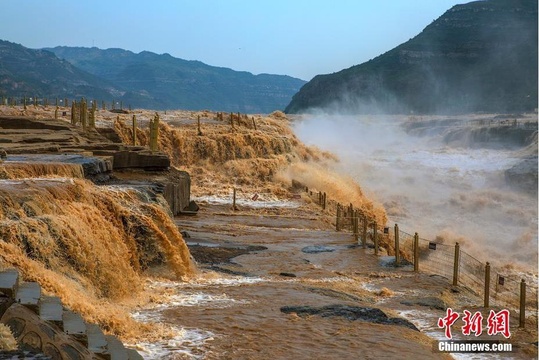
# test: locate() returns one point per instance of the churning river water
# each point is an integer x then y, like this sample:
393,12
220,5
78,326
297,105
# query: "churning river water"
448,191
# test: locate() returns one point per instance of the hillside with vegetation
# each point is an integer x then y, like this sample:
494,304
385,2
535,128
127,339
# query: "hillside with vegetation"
27,72
165,82
480,56
144,80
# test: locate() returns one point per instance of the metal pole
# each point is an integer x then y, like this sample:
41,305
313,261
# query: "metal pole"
416,252
522,315
456,265
487,285
397,251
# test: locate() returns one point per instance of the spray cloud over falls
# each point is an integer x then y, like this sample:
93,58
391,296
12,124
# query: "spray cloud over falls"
426,185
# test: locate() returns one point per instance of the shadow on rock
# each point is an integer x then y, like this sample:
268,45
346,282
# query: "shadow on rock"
373,315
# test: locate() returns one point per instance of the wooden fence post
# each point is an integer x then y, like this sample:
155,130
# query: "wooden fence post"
356,223
456,265
416,252
151,134
487,285
134,140
337,225
350,212
375,233
324,201
91,121
364,237
154,133
73,110
397,251
522,314
234,200
83,114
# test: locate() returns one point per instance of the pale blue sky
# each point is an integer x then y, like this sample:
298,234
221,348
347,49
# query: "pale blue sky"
300,38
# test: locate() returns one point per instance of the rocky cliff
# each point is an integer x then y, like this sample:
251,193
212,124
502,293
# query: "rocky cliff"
480,56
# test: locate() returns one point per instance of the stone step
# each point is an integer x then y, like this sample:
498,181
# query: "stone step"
9,280
28,294
97,342
134,354
32,322
34,334
74,325
51,309
116,349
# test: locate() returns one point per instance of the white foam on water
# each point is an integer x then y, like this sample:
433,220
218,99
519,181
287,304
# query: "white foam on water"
36,179
261,202
189,343
205,280
329,279
200,299
222,281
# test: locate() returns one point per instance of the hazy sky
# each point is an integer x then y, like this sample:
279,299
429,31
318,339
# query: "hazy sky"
300,38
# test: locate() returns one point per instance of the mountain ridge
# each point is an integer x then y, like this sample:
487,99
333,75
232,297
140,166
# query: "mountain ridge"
145,80
166,81
44,73
479,56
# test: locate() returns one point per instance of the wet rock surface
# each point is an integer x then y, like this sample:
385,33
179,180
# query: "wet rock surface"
219,254
313,249
334,294
348,312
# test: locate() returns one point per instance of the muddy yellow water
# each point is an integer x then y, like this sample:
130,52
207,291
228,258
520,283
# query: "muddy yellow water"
120,260
235,306
87,244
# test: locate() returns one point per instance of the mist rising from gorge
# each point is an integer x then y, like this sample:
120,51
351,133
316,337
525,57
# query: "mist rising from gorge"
443,191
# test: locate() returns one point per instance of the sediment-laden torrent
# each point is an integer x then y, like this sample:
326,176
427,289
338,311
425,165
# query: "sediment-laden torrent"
88,245
272,279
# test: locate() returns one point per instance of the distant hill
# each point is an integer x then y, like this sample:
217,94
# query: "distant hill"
480,56
30,72
165,82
